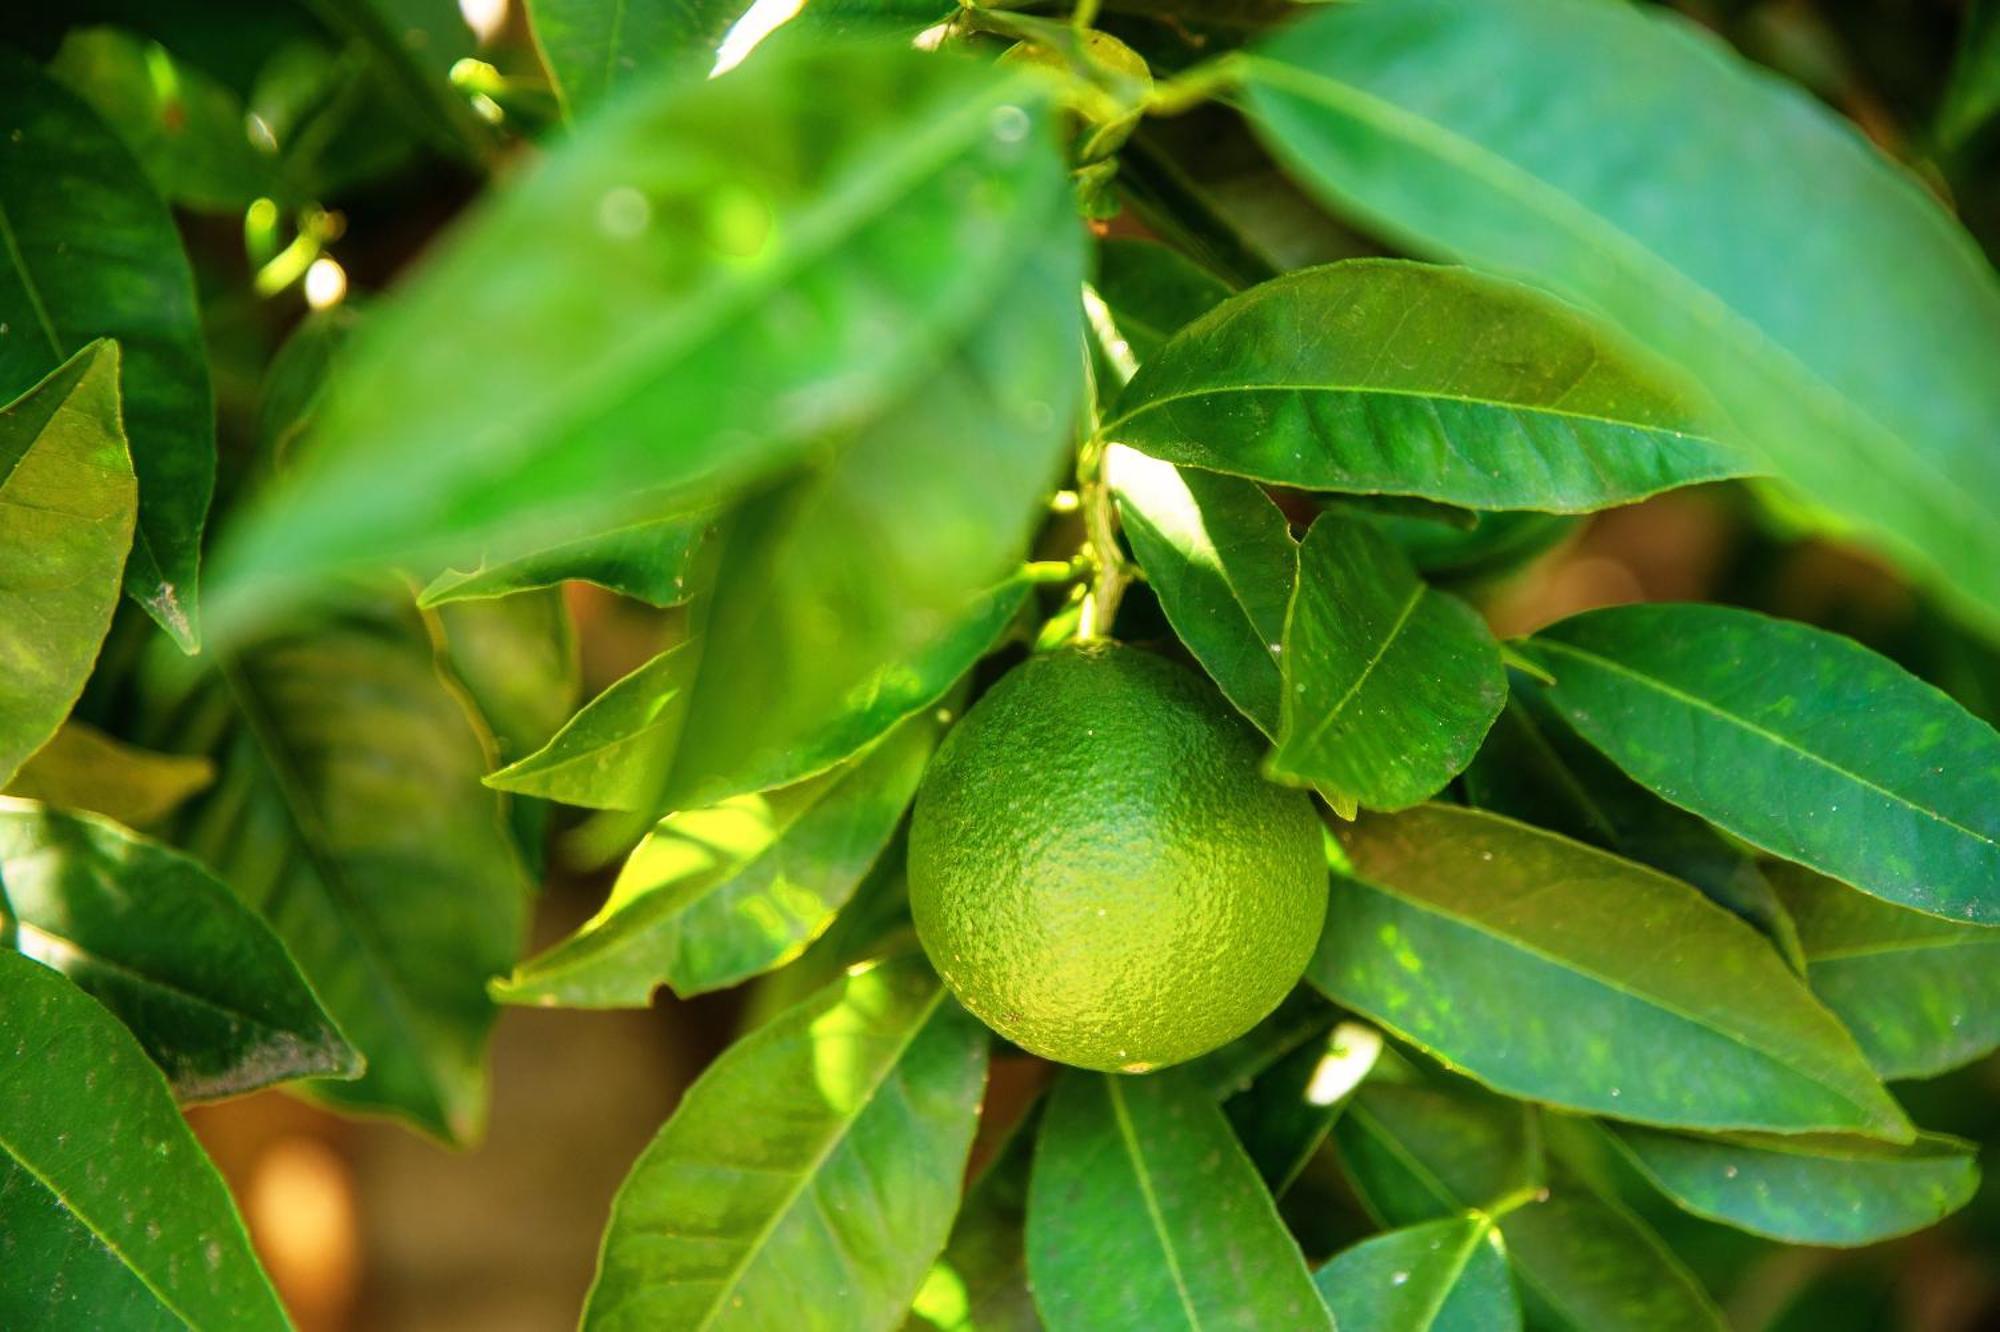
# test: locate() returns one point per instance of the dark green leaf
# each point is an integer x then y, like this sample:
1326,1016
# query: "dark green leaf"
1534,768
186,129
1598,150
651,561
1921,995
1436,1276
90,252
66,518
1381,376
516,657
1143,1212
113,1217
1152,292
980,1282
810,1177
1284,1116
200,980
82,768
681,324
1798,741
1973,95
1550,970
1389,685
1811,1189
1304,1017
348,812
413,46
1221,559
1583,1262
715,896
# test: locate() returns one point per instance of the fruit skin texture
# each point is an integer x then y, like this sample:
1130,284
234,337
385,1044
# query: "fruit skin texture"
1100,872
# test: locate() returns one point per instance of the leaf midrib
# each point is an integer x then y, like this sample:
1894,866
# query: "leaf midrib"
1333,712
1129,1137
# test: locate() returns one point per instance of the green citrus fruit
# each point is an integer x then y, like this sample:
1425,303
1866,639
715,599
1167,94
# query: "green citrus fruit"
1099,871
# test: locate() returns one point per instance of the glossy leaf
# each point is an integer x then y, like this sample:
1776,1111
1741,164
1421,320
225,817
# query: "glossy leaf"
1583,1263
1152,292
113,1216
151,935
650,561
1389,685
980,1282
186,129
1796,740
66,511
715,896
1551,970
348,812
1597,150
1143,1212
1534,768
82,768
1808,1190
90,252
810,1177
1921,995
658,352
1284,1116
1382,376
1220,557
1436,1276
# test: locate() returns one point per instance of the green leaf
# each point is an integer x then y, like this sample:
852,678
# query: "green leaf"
1551,970
1973,96
516,658
1437,1276
1220,557
1534,768
810,1177
87,250
1386,377
681,324
617,753
980,1282
1808,1190
1283,1117
651,561
1389,684
1597,150
1921,995
348,812
82,768
1152,292
1143,1212
66,512
186,129
147,932
1583,1262
715,896
413,46
113,1216
1799,741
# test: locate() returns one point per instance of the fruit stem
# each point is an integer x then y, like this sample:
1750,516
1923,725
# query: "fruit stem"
1100,525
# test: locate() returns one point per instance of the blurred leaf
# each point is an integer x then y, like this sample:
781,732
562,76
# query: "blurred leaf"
1379,375
516,658
1598,150
66,519
1583,1262
113,1217
1921,995
82,768
1144,1212
980,1282
1494,546
1436,1276
91,252
677,302
1152,292
1220,557
617,752
199,979
1973,95
185,128
1534,768
651,561
348,812
810,1176
715,896
1555,971
1799,741
1809,1189
1389,684
414,44
1284,1116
